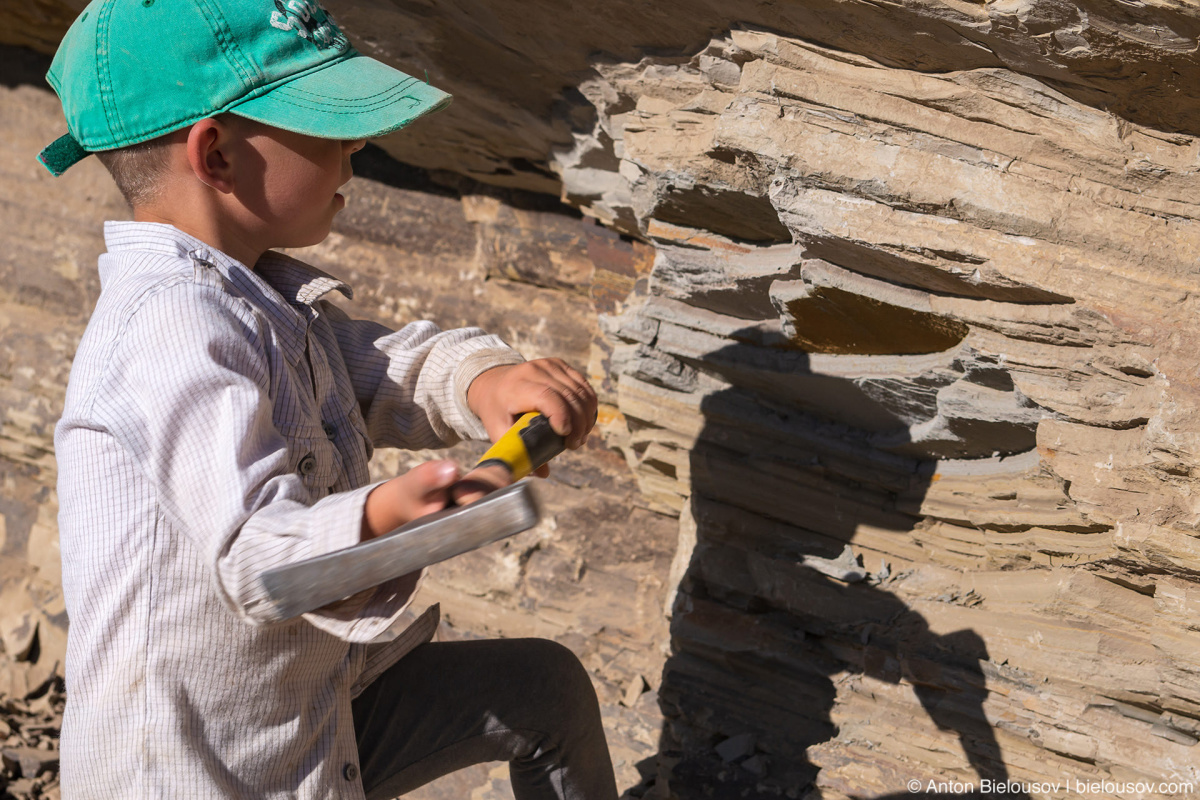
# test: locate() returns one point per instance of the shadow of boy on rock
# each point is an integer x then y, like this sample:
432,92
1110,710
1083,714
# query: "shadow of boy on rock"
775,625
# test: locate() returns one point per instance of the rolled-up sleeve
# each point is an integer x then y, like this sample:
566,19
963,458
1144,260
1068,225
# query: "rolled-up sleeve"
412,383
187,392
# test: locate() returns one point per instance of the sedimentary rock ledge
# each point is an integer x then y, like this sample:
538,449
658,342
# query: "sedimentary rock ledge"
914,364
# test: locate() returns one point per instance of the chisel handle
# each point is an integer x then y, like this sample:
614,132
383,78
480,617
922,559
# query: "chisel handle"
524,447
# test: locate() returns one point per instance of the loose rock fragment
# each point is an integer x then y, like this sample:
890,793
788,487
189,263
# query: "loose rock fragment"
636,687
736,747
18,631
756,764
29,762
844,568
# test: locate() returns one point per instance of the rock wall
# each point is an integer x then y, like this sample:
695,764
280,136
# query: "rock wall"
899,327
514,70
915,365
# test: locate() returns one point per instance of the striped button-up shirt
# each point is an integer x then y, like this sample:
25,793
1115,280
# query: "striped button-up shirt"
218,422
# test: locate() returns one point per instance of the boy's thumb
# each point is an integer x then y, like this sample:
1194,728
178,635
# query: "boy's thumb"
434,476
428,487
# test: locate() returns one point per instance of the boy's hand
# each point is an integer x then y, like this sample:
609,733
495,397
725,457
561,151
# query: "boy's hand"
502,394
479,482
498,397
422,490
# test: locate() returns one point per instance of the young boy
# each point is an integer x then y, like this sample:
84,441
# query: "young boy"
218,423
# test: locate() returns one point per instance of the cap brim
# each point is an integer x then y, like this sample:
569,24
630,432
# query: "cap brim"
355,98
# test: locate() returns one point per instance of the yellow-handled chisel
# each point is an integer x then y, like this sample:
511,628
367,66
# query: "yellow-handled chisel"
524,447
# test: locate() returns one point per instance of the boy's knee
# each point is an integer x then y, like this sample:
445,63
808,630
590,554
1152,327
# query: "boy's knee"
564,674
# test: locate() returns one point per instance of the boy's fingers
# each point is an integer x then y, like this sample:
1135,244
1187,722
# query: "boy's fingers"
583,404
561,407
429,487
571,400
433,476
478,483
582,416
551,387
582,391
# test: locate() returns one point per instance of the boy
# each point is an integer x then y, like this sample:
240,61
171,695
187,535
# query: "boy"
218,423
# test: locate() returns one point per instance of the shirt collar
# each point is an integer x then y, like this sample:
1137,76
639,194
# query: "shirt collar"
298,283
282,286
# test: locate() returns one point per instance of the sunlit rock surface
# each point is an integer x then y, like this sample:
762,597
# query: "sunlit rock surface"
942,319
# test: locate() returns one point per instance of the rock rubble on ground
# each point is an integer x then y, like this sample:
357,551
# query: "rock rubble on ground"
29,755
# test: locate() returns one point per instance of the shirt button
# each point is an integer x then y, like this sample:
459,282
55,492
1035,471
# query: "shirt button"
307,464
350,772
330,431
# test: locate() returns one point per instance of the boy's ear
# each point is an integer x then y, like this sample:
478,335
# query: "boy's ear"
208,147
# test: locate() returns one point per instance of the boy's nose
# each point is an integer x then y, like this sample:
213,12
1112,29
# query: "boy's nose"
354,145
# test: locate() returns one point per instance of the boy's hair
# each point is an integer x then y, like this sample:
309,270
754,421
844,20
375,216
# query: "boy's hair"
137,169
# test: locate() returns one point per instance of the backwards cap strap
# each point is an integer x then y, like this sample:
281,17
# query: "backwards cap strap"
61,154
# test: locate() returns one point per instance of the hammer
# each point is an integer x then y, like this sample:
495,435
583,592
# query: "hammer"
315,582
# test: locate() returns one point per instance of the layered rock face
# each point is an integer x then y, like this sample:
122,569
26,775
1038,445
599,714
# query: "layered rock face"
900,330
916,365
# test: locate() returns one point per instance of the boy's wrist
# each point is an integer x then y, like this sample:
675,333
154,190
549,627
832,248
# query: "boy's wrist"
378,511
473,397
480,390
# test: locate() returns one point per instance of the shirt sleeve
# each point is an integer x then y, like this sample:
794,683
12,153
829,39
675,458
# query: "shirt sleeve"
412,383
187,393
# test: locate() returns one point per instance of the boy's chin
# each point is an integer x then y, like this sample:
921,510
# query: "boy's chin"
310,237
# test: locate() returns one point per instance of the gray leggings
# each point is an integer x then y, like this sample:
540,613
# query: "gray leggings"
448,705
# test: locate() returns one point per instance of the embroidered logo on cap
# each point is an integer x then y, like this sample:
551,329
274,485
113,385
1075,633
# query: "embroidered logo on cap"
309,21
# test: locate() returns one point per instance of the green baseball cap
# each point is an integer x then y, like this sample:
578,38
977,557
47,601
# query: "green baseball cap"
131,70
